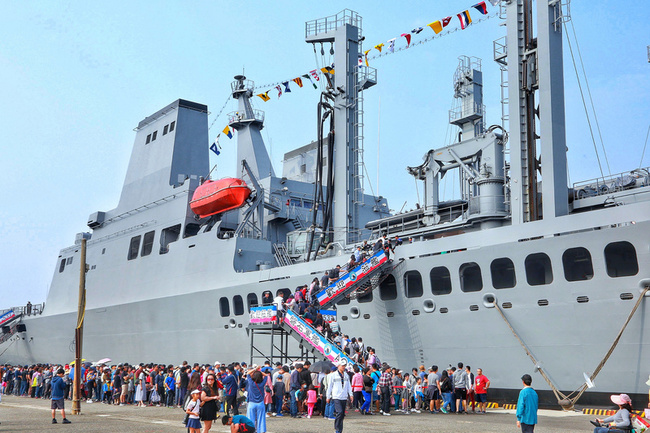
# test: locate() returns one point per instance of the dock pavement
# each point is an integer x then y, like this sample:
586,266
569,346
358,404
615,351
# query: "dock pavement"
20,414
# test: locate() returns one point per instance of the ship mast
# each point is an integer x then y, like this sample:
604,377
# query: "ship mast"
348,80
535,67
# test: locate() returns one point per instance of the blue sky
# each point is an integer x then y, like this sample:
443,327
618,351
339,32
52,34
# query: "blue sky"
77,77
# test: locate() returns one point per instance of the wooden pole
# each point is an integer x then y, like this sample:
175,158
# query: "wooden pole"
78,333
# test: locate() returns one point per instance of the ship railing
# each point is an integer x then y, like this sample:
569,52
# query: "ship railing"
466,111
242,116
242,85
333,22
36,310
608,184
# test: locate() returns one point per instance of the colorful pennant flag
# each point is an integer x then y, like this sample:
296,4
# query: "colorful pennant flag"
298,81
360,62
436,26
417,30
286,87
465,19
215,146
227,131
314,74
310,80
379,47
481,7
279,89
265,96
365,53
446,21
408,38
327,69
391,45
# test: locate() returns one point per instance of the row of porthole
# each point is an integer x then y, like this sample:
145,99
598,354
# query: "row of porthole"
488,302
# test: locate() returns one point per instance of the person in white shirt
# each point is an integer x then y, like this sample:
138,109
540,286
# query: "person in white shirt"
339,391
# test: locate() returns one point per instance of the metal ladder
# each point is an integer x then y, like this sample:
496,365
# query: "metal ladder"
281,255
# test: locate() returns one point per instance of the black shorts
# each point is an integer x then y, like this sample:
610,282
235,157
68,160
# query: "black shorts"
57,404
460,393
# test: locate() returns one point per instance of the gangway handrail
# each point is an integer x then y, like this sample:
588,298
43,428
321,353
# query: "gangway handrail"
351,279
317,340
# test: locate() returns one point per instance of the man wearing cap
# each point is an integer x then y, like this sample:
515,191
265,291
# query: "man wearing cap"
527,406
339,391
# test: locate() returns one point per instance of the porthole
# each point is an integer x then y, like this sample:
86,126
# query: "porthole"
443,310
506,305
626,296
429,306
542,302
354,312
473,308
415,312
489,300
582,299
366,316
390,314
225,326
344,318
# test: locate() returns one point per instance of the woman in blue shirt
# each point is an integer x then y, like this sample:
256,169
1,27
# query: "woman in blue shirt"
255,397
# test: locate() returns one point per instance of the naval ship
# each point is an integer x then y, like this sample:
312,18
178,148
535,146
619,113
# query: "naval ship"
522,274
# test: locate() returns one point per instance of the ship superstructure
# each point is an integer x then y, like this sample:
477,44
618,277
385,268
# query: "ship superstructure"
519,252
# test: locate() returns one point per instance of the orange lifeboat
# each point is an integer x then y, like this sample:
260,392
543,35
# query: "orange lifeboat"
218,196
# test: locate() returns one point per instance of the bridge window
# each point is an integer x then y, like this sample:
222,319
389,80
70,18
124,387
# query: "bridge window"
165,129
191,229
148,139
388,289
538,269
154,135
251,300
471,279
147,243
169,235
413,284
503,273
134,247
440,281
577,264
238,305
620,258
171,126
62,265
224,307
286,292
365,298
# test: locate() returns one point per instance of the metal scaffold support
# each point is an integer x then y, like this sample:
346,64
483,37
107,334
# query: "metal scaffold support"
271,343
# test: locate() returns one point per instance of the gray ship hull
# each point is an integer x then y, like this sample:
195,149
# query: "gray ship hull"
567,337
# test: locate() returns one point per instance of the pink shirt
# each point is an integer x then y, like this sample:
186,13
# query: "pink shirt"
357,382
311,396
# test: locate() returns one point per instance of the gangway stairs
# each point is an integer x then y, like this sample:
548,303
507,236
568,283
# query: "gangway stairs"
357,282
306,335
9,322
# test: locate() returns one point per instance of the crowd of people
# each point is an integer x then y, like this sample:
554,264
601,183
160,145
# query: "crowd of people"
296,390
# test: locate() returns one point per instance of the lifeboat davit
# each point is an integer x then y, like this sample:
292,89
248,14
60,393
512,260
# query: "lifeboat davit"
218,196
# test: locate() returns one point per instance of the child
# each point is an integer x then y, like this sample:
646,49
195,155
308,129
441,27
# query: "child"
193,423
311,400
278,391
417,393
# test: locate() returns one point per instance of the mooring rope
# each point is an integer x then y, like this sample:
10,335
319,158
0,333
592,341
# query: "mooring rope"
568,401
